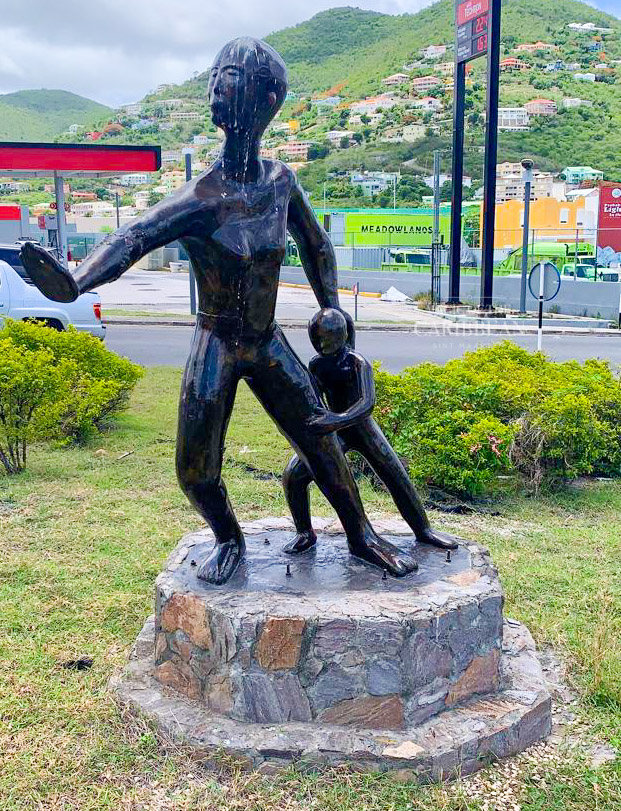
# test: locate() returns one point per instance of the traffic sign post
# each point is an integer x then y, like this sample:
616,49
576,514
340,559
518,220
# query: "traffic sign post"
355,291
544,284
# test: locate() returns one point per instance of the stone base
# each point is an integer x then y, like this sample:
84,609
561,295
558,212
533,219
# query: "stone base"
454,742
319,658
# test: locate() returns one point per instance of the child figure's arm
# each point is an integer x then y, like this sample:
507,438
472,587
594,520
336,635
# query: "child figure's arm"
363,407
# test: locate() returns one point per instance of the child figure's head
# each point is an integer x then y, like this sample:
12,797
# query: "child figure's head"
328,331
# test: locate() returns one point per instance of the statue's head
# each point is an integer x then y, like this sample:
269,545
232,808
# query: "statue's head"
247,85
327,330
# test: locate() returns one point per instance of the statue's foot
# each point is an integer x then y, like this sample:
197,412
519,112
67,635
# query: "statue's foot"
222,562
302,542
52,279
440,539
374,549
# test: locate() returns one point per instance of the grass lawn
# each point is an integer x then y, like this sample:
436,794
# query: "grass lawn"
83,534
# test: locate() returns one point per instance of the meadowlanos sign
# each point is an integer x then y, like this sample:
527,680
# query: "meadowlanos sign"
411,230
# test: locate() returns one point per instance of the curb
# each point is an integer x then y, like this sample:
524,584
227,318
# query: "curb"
446,327
342,290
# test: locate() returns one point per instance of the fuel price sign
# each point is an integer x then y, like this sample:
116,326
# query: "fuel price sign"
472,17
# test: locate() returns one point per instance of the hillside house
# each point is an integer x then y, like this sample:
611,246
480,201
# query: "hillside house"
395,80
429,104
575,175
374,182
433,51
335,136
512,63
528,47
423,84
513,119
571,103
585,77
541,107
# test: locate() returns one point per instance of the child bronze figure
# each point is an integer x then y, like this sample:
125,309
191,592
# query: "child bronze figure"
345,380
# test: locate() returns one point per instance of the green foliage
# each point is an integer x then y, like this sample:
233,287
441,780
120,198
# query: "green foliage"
56,385
41,115
28,380
501,411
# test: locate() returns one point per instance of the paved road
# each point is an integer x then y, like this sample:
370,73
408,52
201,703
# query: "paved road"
159,345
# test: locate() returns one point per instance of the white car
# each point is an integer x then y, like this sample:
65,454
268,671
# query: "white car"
21,300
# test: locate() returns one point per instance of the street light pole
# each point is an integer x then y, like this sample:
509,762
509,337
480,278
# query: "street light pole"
527,165
394,192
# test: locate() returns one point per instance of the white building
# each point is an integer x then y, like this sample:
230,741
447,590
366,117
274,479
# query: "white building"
187,115
171,156
374,119
571,103
141,200
373,104
134,179
589,27
428,104
201,140
93,208
413,132
513,119
585,77
75,128
132,109
171,104
395,80
374,182
433,51
335,136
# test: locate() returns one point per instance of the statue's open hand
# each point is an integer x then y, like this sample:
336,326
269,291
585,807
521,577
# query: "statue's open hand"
52,279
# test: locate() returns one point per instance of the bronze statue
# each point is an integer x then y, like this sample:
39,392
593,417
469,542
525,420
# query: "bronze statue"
233,221
345,379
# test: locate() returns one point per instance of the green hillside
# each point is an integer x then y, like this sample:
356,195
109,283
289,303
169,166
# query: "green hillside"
41,115
358,48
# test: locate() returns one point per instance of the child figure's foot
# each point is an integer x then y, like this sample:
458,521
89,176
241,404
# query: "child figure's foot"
374,549
302,542
440,539
222,562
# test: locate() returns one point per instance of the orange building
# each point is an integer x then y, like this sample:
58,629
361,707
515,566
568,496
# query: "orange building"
550,219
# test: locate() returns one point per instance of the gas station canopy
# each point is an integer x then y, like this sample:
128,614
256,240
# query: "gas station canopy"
81,160
74,160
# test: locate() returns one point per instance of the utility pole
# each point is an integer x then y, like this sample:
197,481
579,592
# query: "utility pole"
457,174
491,156
527,165
118,214
188,177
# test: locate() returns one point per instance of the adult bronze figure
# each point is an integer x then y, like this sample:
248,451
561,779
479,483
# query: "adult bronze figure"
233,221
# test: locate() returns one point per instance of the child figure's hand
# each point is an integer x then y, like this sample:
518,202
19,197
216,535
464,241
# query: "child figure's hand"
323,423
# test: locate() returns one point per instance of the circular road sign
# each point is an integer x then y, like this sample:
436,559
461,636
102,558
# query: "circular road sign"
551,281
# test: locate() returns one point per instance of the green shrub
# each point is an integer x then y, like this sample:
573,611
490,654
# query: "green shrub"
95,385
502,411
55,385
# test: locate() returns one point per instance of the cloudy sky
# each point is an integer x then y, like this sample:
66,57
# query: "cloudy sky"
114,51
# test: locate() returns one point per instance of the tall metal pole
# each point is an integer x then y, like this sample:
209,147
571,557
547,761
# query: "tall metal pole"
457,195
528,179
491,156
118,214
436,195
59,192
394,193
188,177
435,245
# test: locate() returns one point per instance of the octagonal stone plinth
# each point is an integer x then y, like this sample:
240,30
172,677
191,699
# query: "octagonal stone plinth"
328,644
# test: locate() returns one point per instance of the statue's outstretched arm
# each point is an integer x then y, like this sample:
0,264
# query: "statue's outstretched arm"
363,407
316,251
159,225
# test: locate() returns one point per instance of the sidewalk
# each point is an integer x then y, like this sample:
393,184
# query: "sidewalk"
162,299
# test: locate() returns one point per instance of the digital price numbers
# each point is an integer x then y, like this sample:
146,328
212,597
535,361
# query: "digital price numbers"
472,18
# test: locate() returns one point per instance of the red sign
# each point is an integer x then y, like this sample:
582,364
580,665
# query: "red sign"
69,158
10,213
41,221
609,223
470,9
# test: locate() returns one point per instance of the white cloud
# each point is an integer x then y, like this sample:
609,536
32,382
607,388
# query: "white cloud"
114,51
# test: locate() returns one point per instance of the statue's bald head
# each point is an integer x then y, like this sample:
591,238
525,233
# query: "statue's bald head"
247,85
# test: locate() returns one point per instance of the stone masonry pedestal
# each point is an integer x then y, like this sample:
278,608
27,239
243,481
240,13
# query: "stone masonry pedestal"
324,661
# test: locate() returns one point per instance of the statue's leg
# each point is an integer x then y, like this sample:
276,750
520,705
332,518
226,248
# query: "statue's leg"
296,481
376,449
283,385
207,397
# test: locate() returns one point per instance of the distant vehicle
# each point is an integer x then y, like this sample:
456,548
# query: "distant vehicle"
21,300
416,259
585,271
557,252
